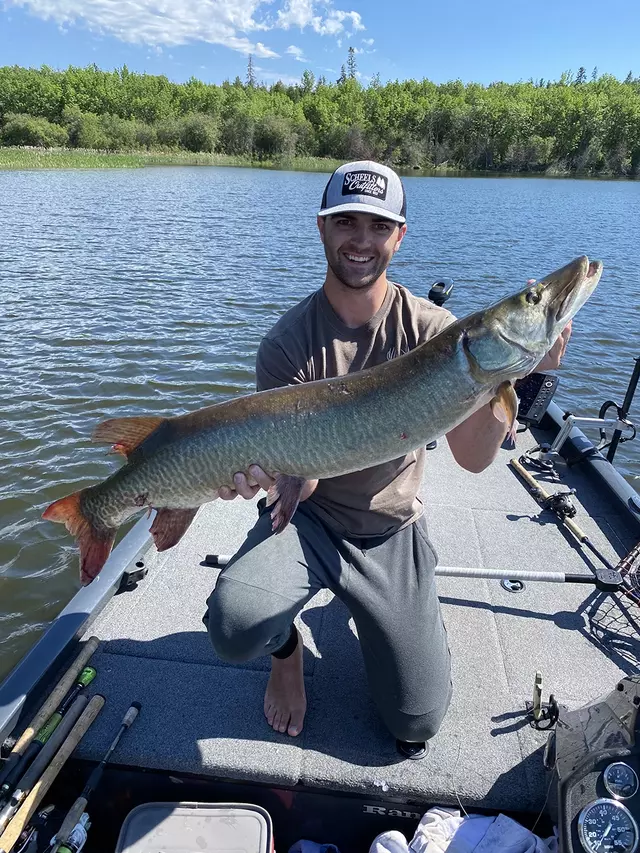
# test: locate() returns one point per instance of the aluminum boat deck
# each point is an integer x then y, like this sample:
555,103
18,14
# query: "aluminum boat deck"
202,716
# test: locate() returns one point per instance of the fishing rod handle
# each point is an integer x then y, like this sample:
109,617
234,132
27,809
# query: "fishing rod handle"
541,491
43,759
51,702
528,478
69,823
577,531
127,720
75,812
26,774
26,810
131,714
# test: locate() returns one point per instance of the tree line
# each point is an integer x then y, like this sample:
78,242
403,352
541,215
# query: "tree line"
579,123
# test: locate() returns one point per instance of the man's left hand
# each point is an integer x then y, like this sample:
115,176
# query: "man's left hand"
553,359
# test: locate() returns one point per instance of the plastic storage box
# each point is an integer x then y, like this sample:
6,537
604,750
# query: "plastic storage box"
195,828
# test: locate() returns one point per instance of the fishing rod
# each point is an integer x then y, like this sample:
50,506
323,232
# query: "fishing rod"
12,833
49,706
75,812
13,775
623,576
26,783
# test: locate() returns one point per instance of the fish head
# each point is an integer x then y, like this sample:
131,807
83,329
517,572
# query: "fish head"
507,340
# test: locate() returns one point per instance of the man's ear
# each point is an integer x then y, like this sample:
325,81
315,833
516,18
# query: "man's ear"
402,230
321,223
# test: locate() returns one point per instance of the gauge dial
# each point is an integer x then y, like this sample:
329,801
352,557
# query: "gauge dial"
620,780
607,826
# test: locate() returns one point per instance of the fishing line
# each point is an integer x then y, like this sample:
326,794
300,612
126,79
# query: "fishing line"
453,777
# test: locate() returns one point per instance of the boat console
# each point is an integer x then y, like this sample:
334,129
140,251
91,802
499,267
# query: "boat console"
593,759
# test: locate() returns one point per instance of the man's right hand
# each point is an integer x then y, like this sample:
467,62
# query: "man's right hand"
247,486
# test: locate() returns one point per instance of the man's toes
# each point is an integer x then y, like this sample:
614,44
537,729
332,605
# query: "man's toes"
270,714
283,722
295,726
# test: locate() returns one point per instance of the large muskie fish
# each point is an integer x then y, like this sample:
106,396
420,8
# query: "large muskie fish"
325,428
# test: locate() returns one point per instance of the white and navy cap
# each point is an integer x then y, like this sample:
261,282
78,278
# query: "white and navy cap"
365,187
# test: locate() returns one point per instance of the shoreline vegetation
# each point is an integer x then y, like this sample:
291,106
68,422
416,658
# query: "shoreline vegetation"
89,118
87,158
34,158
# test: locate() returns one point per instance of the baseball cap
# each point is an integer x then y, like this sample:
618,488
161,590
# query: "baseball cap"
365,187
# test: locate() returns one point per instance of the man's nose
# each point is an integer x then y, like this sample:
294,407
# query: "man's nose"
360,236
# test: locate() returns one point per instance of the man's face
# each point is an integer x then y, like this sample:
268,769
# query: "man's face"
359,246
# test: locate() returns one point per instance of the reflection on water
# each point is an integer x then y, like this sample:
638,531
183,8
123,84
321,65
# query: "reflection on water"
128,292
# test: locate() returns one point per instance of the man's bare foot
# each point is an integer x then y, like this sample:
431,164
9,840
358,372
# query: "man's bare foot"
285,702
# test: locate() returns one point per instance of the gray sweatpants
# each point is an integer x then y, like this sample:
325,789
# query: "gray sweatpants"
388,585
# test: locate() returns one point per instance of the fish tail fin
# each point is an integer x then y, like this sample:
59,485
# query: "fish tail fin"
95,543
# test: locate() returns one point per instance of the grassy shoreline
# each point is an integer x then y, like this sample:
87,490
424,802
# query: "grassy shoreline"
73,158
76,158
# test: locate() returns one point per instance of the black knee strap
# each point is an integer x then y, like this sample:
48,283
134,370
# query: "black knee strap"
289,647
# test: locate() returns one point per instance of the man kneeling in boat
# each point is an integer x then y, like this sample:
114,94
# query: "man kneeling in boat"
362,535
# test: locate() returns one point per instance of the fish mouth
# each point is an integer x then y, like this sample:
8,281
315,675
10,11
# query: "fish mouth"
570,287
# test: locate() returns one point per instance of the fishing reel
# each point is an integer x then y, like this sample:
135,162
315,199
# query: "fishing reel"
560,504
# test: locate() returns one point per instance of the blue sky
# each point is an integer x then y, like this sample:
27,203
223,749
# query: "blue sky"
211,39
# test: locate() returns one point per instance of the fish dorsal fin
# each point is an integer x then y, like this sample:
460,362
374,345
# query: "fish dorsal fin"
126,433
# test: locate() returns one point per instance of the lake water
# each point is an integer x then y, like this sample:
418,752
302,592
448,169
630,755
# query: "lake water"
147,291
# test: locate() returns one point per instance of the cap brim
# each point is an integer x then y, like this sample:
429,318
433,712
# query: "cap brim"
363,208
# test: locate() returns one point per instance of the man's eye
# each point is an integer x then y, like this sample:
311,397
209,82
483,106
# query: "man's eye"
382,226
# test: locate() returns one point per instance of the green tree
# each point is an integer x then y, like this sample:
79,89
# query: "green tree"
307,81
251,76
581,77
274,137
352,68
199,132
23,129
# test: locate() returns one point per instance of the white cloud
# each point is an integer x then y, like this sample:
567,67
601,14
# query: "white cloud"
297,53
302,14
161,22
368,41
158,23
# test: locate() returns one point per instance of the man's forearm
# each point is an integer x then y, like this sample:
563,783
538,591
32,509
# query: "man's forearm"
476,441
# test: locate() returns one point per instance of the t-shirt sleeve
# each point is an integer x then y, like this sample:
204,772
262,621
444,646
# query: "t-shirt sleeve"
274,368
436,321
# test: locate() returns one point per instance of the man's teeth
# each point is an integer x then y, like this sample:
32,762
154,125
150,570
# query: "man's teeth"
358,259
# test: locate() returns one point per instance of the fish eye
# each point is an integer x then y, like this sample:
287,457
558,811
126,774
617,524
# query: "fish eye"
533,297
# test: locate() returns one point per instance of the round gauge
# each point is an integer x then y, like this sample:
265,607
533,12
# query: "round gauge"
607,826
620,780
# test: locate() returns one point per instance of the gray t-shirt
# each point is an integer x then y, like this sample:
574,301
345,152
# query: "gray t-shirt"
311,342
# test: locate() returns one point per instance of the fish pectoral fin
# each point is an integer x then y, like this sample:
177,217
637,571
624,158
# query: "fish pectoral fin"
95,543
284,496
126,433
170,525
504,406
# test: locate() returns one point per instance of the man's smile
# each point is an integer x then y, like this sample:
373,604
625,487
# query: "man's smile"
358,259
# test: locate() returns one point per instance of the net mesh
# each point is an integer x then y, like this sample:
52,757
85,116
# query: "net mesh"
614,619
629,568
